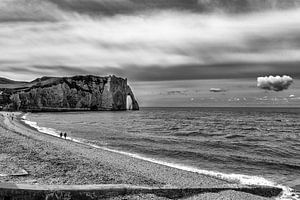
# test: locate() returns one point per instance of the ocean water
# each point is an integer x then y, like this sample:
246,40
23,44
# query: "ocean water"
255,145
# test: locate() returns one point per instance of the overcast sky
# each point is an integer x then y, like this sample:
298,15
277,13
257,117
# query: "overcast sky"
197,44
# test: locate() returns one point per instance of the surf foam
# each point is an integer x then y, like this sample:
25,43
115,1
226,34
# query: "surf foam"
288,193
45,130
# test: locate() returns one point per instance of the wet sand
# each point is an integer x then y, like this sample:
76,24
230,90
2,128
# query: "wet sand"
52,160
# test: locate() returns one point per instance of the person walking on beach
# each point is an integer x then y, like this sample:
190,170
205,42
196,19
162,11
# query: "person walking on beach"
65,135
61,134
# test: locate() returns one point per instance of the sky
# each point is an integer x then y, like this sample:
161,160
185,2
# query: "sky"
172,51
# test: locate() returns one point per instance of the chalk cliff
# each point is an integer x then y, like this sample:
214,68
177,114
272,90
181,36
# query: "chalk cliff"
67,94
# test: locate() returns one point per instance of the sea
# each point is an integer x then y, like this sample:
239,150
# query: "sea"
255,146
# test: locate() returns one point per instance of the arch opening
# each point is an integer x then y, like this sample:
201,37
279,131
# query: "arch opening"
129,105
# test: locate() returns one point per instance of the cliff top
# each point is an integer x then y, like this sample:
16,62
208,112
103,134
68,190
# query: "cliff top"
46,81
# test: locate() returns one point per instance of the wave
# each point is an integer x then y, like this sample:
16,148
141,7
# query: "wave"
45,130
288,193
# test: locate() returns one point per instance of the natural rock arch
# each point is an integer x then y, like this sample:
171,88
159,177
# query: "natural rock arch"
135,105
128,102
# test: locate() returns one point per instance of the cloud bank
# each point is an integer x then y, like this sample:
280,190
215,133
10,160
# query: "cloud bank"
275,83
149,40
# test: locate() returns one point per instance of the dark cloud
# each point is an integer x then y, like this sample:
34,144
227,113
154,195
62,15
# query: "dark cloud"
194,72
40,10
28,11
249,5
164,73
54,10
108,7
153,46
112,7
129,6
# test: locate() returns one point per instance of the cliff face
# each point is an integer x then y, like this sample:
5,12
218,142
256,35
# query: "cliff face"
69,93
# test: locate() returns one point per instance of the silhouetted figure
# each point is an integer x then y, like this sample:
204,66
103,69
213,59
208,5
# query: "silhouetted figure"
65,135
61,134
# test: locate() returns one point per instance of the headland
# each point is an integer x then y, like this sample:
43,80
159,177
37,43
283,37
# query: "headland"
77,93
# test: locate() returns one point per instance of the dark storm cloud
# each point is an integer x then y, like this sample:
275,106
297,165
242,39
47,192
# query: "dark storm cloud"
53,10
61,37
111,7
108,7
28,11
189,72
164,73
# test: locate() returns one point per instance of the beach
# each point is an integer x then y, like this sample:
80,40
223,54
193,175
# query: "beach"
55,161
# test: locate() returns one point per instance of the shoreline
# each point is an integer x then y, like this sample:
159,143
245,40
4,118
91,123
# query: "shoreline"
160,175
234,178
